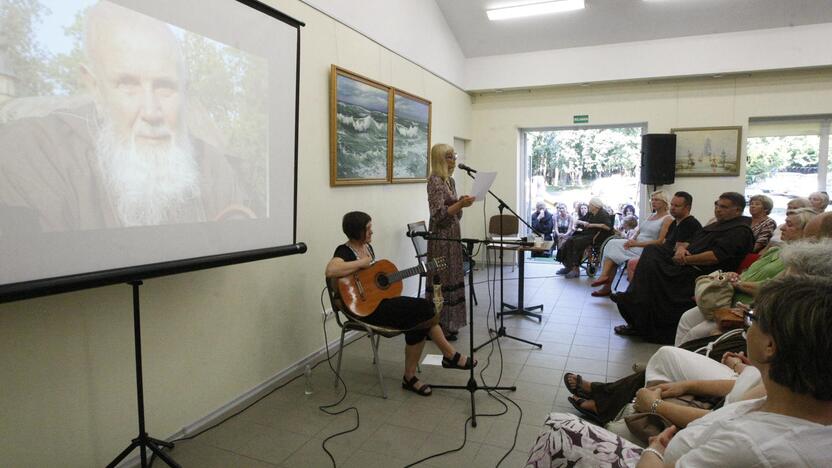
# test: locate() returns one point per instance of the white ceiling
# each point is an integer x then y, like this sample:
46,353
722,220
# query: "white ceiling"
620,21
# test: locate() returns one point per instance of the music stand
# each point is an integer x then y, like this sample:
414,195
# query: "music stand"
513,310
472,386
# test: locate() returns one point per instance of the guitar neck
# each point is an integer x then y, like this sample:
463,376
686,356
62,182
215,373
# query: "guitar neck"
402,274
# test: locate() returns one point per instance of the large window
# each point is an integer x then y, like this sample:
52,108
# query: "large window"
788,157
573,164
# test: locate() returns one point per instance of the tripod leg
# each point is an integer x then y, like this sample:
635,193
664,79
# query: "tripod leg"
124,454
151,444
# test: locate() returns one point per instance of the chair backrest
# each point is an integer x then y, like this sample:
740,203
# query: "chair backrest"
510,225
419,243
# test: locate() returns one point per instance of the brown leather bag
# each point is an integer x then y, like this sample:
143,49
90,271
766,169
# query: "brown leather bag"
646,425
727,319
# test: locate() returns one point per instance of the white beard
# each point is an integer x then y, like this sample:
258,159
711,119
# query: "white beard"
149,186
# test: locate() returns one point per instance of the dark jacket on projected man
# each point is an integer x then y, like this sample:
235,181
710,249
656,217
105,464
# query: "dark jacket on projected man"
48,166
661,290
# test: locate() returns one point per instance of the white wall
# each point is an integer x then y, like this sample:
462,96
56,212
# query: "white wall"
67,394
416,29
497,118
759,50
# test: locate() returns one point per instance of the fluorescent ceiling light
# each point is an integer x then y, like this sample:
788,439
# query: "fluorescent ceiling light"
534,9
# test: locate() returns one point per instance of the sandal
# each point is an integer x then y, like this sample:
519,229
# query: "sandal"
601,293
587,414
410,385
626,330
453,363
576,390
599,282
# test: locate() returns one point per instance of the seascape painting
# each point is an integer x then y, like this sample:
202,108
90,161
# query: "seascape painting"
702,152
411,137
359,135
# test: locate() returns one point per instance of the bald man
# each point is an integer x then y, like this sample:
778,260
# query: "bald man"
125,159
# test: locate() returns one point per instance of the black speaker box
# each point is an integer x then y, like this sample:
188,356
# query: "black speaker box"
658,158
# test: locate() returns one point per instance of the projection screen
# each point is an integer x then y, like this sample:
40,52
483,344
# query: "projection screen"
143,137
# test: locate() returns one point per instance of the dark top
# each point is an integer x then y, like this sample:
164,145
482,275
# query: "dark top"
682,231
543,223
730,241
601,217
345,253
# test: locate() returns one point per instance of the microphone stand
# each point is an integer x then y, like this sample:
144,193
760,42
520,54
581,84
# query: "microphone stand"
501,332
472,386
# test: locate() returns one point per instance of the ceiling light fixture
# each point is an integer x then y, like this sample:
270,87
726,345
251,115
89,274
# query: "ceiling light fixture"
534,9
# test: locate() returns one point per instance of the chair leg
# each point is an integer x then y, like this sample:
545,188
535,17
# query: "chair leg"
378,367
419,290
340,355
374,343
622,270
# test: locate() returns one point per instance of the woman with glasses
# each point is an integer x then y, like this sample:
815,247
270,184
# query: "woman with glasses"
790,426
445,212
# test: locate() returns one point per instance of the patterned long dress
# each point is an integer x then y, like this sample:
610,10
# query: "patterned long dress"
440,196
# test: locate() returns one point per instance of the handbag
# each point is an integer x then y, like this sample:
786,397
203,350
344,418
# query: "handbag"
712,292
646,425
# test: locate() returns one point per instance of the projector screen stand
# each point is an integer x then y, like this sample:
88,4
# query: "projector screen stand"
143,441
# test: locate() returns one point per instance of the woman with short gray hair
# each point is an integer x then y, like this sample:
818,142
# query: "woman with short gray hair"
760,206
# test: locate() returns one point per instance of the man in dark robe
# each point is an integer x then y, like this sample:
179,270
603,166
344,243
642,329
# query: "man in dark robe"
596,228
663,286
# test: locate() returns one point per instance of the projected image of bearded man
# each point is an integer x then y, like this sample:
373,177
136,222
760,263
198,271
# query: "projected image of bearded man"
136,77
126,157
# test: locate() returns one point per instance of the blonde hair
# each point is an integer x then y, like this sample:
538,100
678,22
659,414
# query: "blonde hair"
438,163
660,195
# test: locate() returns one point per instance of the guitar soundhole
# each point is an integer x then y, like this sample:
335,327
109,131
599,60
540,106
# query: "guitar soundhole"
382,281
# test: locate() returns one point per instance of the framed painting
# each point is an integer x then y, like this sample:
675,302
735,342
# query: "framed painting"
707,151
411,137
359,130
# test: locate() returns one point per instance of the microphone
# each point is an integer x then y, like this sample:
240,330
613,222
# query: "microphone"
418,233
466,168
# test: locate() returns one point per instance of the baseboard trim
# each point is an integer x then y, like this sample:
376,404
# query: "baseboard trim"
251,395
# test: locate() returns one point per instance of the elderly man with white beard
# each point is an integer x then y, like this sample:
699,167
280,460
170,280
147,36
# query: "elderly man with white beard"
126,159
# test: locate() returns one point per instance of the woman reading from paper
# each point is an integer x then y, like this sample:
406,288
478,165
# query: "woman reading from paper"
445,212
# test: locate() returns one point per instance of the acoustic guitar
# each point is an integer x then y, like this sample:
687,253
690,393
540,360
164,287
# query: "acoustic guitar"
362,291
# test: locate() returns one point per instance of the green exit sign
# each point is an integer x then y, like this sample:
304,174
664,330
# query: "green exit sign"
580,119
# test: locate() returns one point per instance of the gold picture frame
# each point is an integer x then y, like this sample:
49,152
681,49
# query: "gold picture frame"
359,131
708,151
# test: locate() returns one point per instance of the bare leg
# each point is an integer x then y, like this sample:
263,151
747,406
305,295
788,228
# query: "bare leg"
412,353
447,350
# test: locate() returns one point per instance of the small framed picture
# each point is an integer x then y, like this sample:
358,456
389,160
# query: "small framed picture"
411,137
708,151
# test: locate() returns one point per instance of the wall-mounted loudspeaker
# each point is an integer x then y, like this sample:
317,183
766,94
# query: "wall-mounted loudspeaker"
658,158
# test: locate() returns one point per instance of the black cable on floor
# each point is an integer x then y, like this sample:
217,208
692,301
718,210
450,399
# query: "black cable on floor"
325,408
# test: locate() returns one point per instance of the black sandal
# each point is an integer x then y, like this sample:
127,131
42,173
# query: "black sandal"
585,413
626,330
453,363
577,390
410,385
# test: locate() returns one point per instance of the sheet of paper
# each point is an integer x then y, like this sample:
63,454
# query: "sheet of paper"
482,183
432,360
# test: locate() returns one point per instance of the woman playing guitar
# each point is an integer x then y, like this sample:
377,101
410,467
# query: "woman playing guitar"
403,313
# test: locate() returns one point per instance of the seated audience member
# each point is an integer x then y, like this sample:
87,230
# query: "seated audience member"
628,228
597,226
669,372
663,285
759,206
793,204
693,324
564,224
790,426
819,201
412,315
542,222
617,251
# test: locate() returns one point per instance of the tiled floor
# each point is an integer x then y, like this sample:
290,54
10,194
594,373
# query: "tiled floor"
286,428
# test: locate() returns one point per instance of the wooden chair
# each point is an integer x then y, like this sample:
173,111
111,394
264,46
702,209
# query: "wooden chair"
510,228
